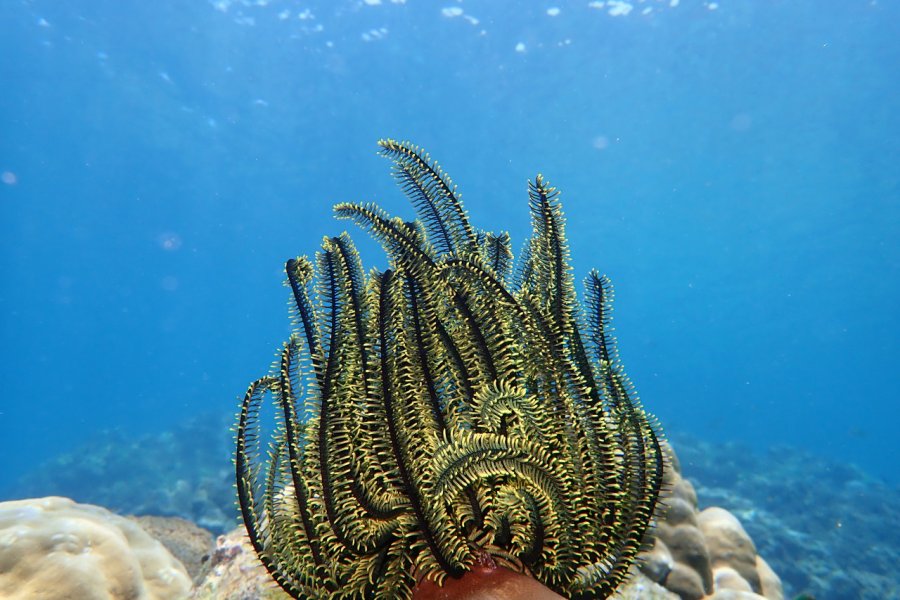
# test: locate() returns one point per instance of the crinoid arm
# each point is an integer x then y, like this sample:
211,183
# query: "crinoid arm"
448,412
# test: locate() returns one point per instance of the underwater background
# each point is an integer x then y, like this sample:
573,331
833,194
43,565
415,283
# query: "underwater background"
732,166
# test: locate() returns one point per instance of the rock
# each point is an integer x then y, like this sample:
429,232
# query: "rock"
190,544
235,573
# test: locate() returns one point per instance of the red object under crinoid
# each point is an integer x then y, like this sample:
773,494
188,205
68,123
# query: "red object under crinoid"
486,581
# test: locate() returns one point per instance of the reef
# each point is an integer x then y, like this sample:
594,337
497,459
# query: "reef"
237,574
706,555
449,420
827,529
713,565
185,472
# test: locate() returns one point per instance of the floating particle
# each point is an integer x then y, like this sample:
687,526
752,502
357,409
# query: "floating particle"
712,5
169,241
673,3
601,142
520,47
169,283
372,2
284,15
471,19
618,8
596,4
452,11
42,22
9,178
374,34
553,11
305,14
647,10
741,122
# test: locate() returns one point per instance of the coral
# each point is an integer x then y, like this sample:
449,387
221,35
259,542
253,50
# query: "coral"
704,554
640,587
54,549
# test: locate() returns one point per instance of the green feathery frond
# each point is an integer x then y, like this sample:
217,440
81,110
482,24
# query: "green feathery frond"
497,252
550,271
435,412
433,195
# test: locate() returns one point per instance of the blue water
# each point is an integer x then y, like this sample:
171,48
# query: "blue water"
733,167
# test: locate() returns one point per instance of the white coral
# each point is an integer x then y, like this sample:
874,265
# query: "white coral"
54,549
